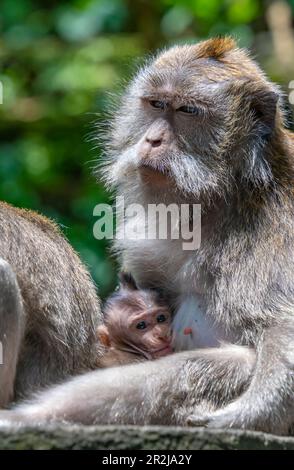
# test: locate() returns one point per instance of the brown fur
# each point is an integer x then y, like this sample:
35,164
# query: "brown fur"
60,304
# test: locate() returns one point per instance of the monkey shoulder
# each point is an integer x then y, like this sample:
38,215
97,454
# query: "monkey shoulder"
51,275
8,211
27,230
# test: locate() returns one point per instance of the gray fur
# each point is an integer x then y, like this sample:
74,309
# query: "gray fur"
236,159
49,308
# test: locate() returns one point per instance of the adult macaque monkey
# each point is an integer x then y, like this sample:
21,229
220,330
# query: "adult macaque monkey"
202,124
49,309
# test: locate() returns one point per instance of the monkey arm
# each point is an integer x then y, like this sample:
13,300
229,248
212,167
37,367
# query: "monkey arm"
164,391
267,404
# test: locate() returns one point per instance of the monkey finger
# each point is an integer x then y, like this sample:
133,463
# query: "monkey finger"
197,420
222,422
215,420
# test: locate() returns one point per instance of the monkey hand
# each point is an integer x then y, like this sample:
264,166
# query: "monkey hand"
236,415
218,419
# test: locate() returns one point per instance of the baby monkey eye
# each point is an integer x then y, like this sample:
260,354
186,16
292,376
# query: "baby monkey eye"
157,104
141,325
161,318
189,109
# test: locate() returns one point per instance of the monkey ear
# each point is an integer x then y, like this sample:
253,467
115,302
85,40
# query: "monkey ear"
264,106
258,98
258,107
103,335
127,281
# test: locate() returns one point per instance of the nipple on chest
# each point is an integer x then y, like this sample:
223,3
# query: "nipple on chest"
188,331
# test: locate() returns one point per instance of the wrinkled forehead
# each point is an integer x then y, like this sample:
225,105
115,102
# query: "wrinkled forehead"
138,300
184,79
180,69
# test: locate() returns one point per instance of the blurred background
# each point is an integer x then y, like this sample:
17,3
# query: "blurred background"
60,59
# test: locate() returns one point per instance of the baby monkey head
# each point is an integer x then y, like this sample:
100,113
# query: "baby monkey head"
194,120
136,321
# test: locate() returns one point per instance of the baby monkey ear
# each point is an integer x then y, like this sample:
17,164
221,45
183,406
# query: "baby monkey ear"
127,281
103,335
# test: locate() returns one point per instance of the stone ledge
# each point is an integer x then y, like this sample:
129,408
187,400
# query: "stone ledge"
136,437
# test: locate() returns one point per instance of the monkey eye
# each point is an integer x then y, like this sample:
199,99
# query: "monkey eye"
141,325
161,318
189,109
157,104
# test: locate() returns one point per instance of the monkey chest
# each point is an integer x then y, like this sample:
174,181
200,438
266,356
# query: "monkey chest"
192,328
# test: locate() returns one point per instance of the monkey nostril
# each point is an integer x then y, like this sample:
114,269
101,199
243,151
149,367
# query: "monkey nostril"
155,142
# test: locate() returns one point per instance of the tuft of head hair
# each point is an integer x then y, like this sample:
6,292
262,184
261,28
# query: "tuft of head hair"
215,48
127,281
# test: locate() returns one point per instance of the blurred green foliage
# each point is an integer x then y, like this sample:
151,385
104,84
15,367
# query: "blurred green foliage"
59,59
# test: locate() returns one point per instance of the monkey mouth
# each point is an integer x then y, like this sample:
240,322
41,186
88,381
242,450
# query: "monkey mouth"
154,174
163,351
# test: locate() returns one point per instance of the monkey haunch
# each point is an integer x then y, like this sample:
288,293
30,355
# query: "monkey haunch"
201,123
136,327
48,306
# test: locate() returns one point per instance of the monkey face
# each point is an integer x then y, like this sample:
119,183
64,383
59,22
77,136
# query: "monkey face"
145,322
151,330
170,140
137,321
192,121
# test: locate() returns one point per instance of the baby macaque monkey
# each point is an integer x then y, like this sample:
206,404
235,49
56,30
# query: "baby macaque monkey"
137,325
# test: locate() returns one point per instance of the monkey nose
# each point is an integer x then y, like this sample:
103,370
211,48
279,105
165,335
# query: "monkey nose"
163,336
154,142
